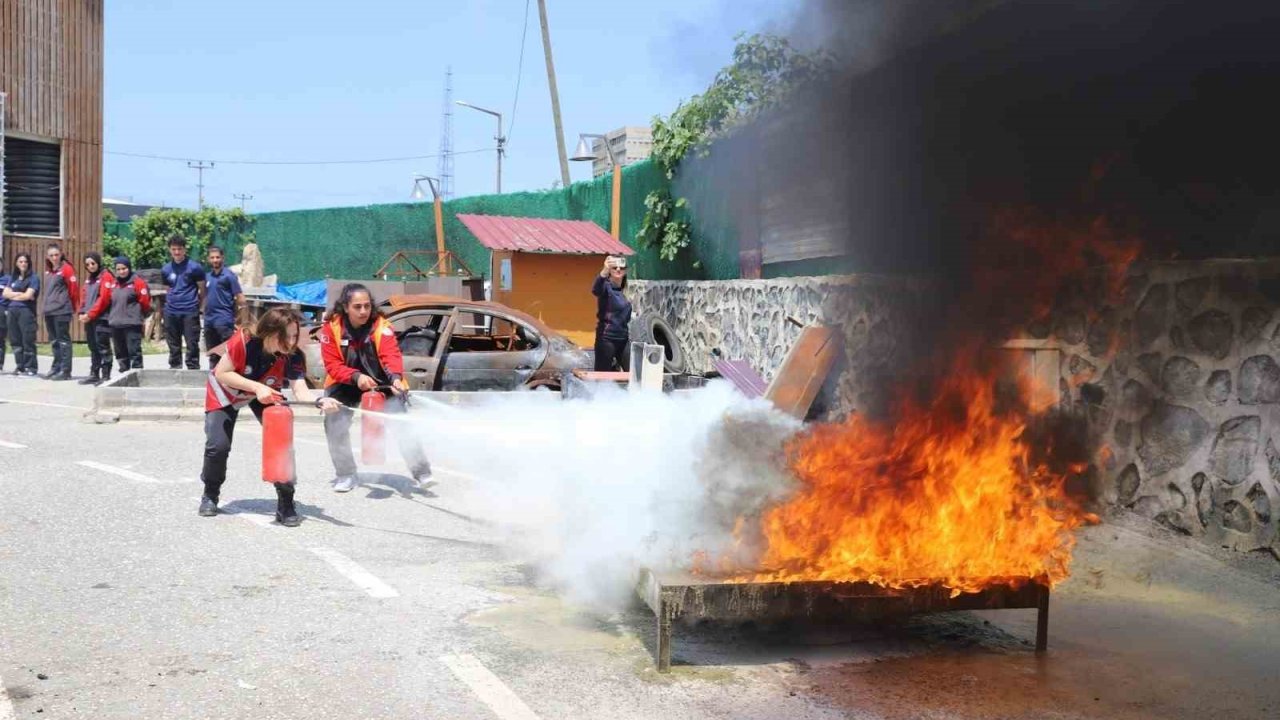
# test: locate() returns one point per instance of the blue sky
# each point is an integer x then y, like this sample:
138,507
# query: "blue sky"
323,80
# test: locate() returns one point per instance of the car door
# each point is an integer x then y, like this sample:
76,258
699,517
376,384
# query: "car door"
420,334
490,351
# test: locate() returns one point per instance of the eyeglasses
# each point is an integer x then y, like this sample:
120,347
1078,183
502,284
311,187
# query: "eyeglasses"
619,269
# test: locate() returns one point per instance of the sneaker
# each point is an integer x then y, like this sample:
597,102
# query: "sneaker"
33,373
208,507
346,483
423,481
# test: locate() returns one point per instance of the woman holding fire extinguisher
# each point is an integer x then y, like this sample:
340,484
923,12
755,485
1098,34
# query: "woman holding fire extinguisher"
362,358
253,371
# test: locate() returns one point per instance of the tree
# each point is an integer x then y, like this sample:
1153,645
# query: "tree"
764,71
151,232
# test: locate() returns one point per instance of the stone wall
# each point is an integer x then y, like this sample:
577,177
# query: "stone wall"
1180,383
1179,377
747,320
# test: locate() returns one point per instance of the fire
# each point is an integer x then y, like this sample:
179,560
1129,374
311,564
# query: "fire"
954,490
949,494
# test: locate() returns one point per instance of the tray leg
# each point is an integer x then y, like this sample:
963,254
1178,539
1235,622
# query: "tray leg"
664,637
1042,621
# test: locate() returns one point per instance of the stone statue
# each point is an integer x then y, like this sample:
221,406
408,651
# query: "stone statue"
251,267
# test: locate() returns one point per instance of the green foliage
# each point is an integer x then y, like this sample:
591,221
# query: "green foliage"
149,246
765,70
660,227
109,215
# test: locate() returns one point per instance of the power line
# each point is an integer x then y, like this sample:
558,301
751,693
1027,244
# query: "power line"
519,70
407,158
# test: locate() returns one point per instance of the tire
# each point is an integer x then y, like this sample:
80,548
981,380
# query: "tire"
654,330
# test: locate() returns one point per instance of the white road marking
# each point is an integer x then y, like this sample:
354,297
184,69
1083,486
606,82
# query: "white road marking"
257,518
12,445
127,474
492,692
3,401
356,574
6,706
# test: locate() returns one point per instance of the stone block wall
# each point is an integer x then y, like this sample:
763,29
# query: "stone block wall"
1179,377
1180,382
747,320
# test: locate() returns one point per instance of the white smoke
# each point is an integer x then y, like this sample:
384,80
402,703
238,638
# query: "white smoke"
591,490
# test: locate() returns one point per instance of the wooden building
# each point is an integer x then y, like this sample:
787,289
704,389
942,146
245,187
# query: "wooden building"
545,267
51,77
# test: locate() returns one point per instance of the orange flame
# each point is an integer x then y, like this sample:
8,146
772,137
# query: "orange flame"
953,491
949,495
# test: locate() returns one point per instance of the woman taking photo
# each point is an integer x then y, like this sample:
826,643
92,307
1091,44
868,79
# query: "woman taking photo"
253,371
360,354
613,316
23,288
96,332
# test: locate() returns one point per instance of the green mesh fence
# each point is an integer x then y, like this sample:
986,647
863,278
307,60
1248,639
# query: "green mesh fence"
354,242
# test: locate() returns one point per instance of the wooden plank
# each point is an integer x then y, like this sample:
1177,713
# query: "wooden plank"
805,369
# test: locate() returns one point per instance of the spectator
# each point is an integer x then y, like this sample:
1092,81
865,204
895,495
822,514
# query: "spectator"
23,289
613,316
361,354
185,279
224,301
4,313
97,332
253,372
61,301
125,300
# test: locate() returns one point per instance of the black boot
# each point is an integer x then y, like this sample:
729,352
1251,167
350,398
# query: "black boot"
106,373
286,513
208,506
93,378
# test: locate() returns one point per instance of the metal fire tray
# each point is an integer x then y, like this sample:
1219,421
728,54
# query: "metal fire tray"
680,596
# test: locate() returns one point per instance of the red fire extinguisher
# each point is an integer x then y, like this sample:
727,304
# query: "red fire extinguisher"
277,444
373,449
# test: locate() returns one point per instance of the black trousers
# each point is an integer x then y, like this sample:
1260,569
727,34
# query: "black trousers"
128,343
22,336
610,351
180,328
59,329
4,335
337,431
215,336
219,429
98,335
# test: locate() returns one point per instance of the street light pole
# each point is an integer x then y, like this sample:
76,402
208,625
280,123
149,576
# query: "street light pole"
500,138
586,153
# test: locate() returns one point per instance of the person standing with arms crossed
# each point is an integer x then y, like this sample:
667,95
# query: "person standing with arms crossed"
96,332
185,279
223,303
61,302
125,300
24,287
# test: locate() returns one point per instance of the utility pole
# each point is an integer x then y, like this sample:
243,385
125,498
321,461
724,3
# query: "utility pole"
242,199
200,167
500,138
445,170
555,94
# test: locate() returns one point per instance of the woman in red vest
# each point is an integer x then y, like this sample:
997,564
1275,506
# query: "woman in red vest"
361,354
253,371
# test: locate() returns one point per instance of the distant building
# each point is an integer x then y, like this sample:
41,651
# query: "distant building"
630,144
126,210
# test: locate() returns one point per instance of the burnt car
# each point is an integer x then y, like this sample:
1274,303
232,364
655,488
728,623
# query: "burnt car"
464,345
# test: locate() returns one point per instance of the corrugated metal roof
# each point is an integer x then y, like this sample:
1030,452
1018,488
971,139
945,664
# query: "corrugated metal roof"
582,237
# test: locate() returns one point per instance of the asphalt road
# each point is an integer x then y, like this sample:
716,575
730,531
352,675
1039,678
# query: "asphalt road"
117,601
